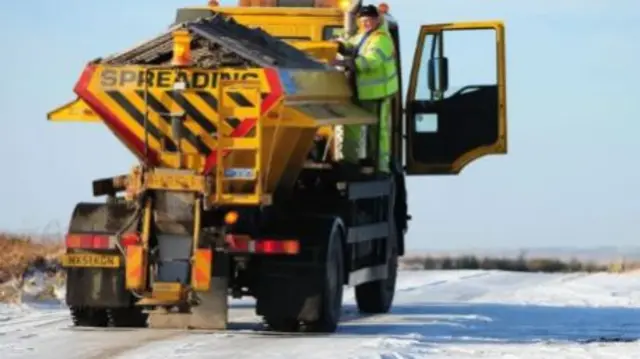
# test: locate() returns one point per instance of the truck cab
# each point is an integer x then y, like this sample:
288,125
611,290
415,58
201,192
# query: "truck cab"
435,131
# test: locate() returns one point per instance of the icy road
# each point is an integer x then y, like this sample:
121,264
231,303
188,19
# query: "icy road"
437,314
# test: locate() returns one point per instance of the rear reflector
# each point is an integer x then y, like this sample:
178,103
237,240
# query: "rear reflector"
201,269
244,244
136,267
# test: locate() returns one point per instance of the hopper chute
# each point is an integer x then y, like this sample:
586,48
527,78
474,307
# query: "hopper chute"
255,99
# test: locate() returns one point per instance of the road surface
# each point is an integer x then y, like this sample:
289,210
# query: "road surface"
437,314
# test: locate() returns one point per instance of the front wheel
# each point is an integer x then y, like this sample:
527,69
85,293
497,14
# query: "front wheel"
376,297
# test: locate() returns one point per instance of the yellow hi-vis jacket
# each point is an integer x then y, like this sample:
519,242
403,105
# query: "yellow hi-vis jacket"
376,72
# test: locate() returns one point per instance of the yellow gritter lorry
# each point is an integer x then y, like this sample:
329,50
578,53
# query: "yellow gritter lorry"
236,119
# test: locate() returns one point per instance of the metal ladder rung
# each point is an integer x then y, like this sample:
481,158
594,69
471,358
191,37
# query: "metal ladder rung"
241,198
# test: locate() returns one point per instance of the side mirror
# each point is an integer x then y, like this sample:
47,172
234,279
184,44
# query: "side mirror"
438,74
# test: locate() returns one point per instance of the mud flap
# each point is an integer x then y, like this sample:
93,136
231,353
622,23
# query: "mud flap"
99,287
175,229
210,312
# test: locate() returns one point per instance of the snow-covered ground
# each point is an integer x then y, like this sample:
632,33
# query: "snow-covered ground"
437,314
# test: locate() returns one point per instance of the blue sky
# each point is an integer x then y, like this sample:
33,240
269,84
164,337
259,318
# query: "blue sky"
570,178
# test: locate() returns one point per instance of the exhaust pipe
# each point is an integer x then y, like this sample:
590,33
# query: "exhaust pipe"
350,18
350,29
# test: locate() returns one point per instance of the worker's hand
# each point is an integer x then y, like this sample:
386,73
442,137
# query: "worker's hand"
347,64
335,62
341,48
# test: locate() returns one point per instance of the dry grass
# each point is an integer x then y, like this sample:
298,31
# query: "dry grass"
520,264
16,251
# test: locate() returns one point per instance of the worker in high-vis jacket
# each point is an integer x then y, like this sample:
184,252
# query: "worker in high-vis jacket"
371,56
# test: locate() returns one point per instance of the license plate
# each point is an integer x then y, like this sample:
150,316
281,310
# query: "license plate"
91,260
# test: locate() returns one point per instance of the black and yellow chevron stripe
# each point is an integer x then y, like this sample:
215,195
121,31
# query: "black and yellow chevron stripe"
200,107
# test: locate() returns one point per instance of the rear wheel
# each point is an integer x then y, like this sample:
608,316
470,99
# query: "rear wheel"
331,291
333,287
284,325
132,317
89,317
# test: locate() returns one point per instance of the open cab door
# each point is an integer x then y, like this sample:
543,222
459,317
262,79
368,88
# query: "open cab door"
447,128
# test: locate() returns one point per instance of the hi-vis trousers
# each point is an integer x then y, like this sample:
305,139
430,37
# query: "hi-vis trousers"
354,136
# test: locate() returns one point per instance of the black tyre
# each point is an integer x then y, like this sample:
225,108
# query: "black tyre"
283,325
132,317
376,297
89,317
323,315
333,287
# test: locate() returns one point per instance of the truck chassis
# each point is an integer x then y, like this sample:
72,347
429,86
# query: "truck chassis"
349,226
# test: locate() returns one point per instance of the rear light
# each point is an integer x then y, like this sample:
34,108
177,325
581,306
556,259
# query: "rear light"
277,246
129,239
87,241
231,217
100,241
244,244
291,247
